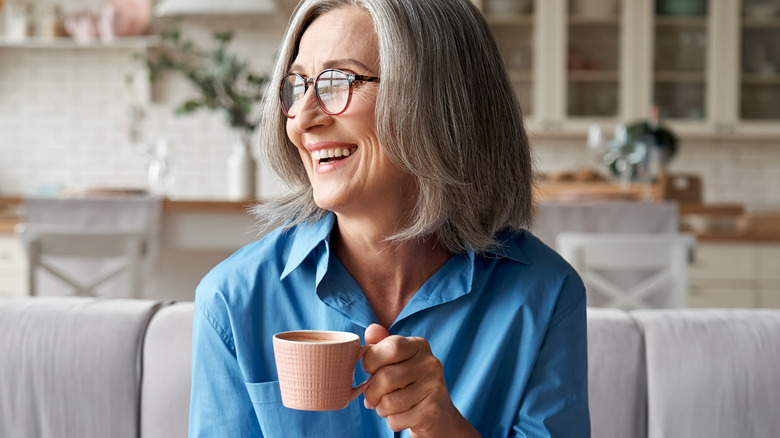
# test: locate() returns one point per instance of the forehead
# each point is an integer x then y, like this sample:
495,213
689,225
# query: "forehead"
346,33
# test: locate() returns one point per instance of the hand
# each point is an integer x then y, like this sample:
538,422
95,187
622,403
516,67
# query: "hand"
407,387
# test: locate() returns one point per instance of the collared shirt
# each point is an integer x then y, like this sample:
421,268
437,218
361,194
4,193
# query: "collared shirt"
509,328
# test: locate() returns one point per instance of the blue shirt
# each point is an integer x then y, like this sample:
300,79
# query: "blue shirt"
509,329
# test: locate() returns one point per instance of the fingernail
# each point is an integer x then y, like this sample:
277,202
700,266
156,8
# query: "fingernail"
367,404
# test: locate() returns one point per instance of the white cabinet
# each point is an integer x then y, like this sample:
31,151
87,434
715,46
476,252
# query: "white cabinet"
735,275
13,266
714,72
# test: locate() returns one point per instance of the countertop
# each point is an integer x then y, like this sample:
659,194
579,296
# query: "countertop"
11,208
764,230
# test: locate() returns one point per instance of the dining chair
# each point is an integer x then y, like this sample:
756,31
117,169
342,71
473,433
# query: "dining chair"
630,271
124,249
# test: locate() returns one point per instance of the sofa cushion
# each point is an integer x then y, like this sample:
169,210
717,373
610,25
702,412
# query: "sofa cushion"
616,375
712,373
71,366
165,391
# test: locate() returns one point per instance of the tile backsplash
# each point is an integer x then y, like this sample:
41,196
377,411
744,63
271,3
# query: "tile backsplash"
64,124
64,116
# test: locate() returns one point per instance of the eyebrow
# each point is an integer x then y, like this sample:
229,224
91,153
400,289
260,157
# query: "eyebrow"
335,63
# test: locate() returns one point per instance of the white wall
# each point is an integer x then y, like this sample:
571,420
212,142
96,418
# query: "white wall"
64,116
63,121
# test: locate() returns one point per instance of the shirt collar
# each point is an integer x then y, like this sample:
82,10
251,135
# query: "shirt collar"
510,247
305,238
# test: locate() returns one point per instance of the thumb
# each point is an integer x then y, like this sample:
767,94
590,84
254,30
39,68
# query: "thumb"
375,333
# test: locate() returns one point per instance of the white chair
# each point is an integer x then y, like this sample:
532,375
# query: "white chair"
630,271
97,246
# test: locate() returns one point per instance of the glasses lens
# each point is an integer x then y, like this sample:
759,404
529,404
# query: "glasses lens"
333,91
293,89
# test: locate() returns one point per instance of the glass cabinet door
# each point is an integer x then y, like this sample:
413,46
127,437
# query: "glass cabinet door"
593,58
513,23
760,61
680,59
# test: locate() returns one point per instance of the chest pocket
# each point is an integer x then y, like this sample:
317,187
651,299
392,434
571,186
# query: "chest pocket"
277,421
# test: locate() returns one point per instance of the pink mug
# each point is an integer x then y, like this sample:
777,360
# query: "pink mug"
316,368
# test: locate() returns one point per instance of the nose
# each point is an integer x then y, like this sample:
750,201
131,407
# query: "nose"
310,115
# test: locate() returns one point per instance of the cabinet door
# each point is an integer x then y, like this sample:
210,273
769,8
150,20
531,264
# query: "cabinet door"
717,262
513,24
13,266
759,67
593,59
681,37
736,295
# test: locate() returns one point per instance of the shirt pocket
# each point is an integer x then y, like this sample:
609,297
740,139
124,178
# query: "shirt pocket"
276,420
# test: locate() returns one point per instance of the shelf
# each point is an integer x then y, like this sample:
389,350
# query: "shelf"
680,76
590,21
761,22
511,20
760,79
68,43
666,21
593,76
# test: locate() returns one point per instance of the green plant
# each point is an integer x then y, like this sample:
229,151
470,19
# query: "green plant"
223,80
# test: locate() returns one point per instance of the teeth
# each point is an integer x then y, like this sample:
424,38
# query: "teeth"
318,155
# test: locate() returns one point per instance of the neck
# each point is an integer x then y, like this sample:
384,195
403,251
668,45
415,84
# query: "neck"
389,273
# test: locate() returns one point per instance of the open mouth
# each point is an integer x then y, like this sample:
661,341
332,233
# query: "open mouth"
325,156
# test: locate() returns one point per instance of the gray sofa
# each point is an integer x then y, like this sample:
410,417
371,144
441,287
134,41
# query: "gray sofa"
85,367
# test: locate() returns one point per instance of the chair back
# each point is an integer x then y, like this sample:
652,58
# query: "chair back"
127,247
630,271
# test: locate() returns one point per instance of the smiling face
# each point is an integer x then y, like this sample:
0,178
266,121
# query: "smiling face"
348,170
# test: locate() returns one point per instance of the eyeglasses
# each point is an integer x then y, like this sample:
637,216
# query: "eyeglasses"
332,88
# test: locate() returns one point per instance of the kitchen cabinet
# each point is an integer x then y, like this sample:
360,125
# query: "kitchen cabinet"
13,266
735,274
714,73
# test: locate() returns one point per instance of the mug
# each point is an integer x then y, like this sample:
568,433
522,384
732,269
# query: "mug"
316,368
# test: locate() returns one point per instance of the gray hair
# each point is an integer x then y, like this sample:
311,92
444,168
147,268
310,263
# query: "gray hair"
446,113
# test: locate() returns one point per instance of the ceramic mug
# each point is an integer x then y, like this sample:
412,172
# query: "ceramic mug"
316,368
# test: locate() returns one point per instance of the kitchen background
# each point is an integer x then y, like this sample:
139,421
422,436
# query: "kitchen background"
64,115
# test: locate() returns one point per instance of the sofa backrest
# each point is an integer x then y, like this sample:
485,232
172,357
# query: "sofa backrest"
712,373
70,367
86,367
617,383
165,391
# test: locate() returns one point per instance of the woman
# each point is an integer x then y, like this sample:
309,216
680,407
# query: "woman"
398,131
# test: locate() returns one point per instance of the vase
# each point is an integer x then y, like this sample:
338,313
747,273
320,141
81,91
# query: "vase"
242,171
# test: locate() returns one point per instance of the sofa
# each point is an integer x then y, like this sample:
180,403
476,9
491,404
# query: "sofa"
96,367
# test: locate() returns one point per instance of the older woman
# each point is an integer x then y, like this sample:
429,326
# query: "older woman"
400,136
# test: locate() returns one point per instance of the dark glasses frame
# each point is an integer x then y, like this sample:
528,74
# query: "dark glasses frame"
352,78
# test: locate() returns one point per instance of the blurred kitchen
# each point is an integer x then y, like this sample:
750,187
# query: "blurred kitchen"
645,116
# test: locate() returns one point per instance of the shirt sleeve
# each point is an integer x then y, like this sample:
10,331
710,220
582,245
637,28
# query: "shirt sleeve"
219,402
555,403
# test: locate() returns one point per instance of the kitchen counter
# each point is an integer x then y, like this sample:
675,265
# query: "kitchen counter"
703,214
11,208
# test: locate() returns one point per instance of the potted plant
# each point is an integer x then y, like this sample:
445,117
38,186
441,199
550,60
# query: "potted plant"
225,83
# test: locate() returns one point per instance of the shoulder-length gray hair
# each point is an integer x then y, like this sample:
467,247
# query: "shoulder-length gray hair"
446,113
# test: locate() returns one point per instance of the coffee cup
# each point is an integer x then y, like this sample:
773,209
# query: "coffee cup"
316,368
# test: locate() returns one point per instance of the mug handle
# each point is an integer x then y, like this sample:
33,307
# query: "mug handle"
356,391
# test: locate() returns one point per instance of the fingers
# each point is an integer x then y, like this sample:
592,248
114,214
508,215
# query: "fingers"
391,350
375,333
404,371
